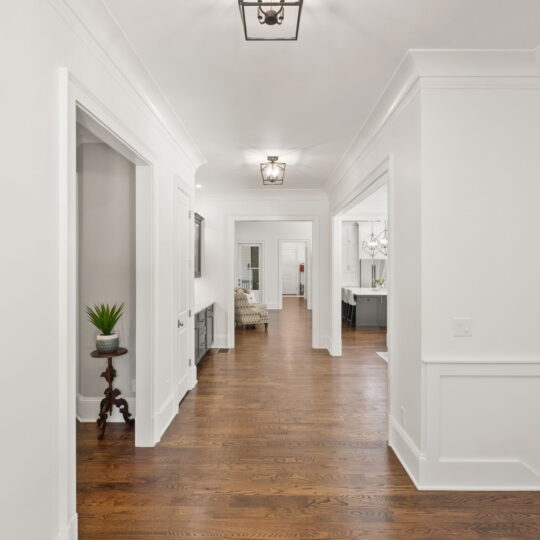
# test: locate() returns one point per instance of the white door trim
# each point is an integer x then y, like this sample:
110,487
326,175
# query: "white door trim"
73,95
229,275
307,277
381,175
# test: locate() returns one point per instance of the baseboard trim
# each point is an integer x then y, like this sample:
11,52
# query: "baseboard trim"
71,530
406,451
164,416
88,409
221,341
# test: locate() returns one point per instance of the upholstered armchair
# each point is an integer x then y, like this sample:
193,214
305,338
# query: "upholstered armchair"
247,312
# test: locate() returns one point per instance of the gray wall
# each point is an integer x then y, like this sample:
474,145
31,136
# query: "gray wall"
106,259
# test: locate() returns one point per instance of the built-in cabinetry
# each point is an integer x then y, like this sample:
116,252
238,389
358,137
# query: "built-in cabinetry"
371,310
204,332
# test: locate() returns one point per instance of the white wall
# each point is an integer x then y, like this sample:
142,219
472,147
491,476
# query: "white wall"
350,257
270,233
106,268
220,208
38,478
461,132
481,203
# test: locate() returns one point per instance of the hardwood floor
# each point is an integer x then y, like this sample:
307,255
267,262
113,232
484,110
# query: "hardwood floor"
279,441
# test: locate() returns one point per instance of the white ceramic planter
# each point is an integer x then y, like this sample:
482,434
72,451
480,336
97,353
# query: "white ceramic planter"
107,344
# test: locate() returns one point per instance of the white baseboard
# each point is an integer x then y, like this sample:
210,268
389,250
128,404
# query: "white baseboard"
406,451
169,409
71,530
88,409
164,416
220,341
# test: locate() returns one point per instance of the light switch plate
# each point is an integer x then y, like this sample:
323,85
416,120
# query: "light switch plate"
462,326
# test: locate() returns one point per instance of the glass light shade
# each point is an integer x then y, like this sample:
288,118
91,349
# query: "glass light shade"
273,172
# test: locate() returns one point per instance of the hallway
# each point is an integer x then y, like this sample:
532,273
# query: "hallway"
280,441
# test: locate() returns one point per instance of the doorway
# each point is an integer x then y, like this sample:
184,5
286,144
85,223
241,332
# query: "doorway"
293,263
246,234
249,269
365,248
294,272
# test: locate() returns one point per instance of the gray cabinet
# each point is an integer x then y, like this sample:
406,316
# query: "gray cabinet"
371,311
204,332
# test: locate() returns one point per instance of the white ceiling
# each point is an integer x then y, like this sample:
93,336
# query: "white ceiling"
304,100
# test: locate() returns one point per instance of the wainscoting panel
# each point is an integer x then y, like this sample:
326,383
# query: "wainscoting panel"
480,421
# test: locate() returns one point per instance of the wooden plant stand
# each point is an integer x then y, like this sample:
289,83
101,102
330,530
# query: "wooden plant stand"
111,398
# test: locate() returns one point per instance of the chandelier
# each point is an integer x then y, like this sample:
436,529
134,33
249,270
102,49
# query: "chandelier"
376,243
273,172
371,245
270,21
382,239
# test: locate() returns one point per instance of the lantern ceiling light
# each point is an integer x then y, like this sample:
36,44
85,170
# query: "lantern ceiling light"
270,21
273,172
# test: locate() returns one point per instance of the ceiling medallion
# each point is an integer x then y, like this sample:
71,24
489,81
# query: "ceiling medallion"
273,172
270,21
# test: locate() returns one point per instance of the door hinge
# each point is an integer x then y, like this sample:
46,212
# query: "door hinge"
190,361
189,313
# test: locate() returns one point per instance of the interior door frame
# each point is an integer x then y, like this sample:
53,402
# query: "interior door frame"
381,175
307,277
262,264
317,341
73,95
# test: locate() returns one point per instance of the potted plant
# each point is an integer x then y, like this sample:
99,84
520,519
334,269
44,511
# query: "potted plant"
379,283
104,318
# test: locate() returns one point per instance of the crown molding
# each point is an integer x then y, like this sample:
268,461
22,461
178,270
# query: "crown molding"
94,24
439,69
272,194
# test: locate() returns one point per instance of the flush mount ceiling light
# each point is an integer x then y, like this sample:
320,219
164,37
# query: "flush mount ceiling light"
273,172
270,21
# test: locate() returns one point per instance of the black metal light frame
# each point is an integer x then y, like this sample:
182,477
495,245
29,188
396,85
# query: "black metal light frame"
276,3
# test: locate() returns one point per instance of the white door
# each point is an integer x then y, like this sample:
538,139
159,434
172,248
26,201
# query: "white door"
183,270
290,270
250,269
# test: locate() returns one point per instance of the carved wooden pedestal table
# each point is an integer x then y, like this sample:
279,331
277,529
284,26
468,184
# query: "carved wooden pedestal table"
111,398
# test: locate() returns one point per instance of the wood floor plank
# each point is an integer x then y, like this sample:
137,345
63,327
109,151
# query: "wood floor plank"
279,441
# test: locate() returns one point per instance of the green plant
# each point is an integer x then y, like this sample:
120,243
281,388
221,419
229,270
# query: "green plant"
379,282
104,317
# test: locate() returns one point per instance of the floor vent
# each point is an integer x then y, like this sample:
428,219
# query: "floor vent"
223,350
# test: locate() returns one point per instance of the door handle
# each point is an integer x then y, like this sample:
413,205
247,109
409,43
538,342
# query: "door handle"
180,324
